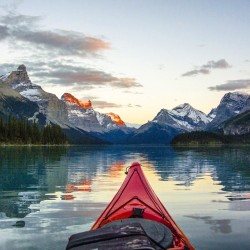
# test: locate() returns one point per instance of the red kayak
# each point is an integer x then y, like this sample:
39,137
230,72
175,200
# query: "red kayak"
134,219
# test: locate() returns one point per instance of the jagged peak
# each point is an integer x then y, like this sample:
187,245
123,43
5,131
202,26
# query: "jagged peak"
17,76
69,98
116,119
86,103
22,67
183,106
235,96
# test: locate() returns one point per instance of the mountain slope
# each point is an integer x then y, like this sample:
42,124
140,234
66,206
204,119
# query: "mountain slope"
169,123
231,105
154,133
238,125
20,98
54,109
87,118
15,105
108,127
184,117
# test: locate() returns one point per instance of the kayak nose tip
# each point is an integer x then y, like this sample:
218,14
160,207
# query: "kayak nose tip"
135,164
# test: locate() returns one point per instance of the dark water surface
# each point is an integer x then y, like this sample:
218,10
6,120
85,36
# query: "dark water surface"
58,191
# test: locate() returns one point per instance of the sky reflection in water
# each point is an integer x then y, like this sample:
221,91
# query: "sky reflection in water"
59,191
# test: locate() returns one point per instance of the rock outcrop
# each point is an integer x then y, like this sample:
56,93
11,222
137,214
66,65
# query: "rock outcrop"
82,115
238,125
116,119
50,106
230,105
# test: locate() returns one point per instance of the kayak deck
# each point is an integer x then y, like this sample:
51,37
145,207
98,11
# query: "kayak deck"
137,205
127,234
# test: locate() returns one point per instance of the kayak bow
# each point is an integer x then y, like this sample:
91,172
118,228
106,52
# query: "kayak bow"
137,208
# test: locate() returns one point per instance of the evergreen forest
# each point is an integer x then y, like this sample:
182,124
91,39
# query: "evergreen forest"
209,138
15,131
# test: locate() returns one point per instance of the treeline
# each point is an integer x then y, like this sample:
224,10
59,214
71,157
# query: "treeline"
209,138
14,131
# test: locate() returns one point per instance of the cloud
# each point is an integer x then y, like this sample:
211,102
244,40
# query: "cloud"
3,32
26,29
134,106
69,42
220,64
196,72
104,104
14,20
232,85
101,104
84,77
7,67
208,67
24,34
78,77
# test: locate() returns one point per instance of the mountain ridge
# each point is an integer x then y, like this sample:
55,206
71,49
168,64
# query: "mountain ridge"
79,116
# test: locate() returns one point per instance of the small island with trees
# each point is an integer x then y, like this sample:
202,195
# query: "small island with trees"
209,138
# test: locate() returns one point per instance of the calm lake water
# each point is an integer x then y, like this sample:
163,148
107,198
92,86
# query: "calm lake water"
59,191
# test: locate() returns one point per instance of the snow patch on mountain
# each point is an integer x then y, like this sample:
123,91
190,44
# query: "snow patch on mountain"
186,110
82,115
232,104
183,116
133,125
49,105
116,119
5,76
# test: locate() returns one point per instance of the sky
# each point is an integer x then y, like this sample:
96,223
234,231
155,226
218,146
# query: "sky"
130,57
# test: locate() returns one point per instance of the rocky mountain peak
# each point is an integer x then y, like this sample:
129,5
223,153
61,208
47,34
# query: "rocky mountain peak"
185,107
186,110
235,97
86,104
22,67
17,76
183,116
230,105
72,100
116,119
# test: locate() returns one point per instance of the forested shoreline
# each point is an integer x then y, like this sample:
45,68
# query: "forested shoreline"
209,138
15,131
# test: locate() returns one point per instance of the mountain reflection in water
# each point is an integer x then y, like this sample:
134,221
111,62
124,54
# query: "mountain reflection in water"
206,187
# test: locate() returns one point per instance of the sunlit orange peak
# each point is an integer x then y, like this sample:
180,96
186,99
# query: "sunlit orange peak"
116,119
86,104
71,99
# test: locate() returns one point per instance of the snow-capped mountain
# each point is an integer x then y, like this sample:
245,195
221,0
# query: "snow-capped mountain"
184,117
85,117
21,98
49,105
238,125
116,119
230,105
169,123
15,105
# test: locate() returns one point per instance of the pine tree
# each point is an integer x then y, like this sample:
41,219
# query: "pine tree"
25,132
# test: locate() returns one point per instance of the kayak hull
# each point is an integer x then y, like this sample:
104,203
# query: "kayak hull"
136,199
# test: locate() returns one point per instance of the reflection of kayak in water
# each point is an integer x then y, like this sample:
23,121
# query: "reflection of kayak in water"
134,219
